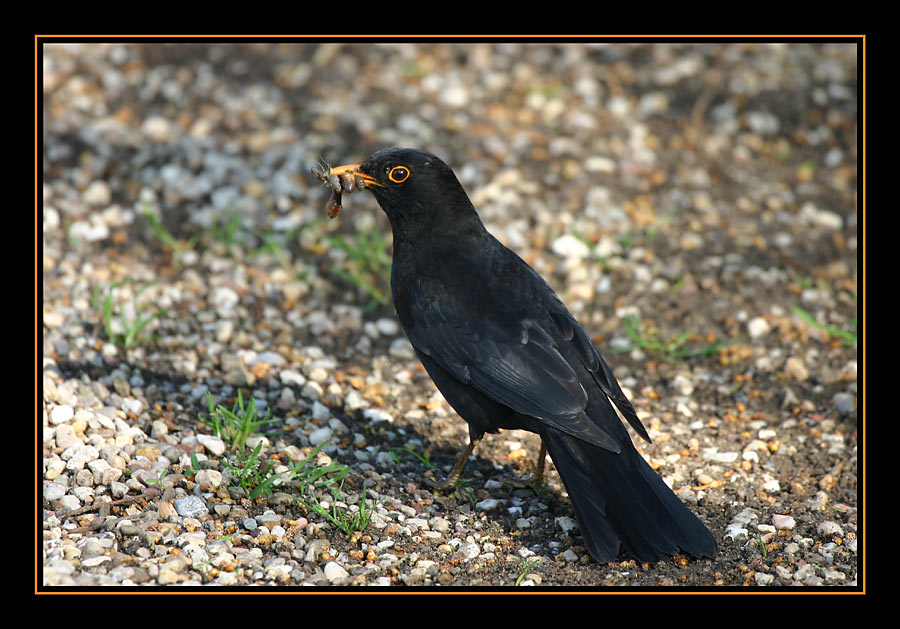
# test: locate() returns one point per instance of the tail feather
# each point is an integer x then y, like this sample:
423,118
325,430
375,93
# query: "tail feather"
620,501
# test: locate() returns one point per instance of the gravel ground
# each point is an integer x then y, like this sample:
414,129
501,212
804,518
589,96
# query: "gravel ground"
703,194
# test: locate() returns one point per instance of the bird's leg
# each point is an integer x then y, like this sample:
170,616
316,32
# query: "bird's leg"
457,470
539,464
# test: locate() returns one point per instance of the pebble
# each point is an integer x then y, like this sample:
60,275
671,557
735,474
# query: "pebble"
387,327
65,436
292,377
190,507
97,193
829,528
441,525
844,403
834,577
316,548
795,369
224,330
212,478
269,518
772,486
568,246
488,504
712,454
215,445
377,415
821,218
783,522
683,384
469,550
54,491
763,578
320,435
61,414
334,572
157,128
758,327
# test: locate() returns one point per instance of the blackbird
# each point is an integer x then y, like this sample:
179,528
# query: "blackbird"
506,353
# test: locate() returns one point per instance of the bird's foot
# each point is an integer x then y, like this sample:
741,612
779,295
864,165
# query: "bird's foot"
533,483
453,485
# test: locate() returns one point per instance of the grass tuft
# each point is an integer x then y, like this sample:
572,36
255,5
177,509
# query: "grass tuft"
526,566
847,336
671,349
128,329
236,425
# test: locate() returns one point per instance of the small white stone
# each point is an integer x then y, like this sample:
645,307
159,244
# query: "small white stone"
829,528
319,436
488,504
763,578
98,466
97,193
70,502
54,319
215,445
469,550
683,384
568,246
292,377
224,330
320,411
834,576
454,96
377,415
735,531
157,129
54,491
795,369
387,327
772,486
712,454
821,218
65,436
783,522
213,478
61,414
54,469
190,506
758,327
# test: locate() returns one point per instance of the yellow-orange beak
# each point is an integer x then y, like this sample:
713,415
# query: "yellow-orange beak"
354,170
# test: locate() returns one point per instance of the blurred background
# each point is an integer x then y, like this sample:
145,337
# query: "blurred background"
562,136
666,164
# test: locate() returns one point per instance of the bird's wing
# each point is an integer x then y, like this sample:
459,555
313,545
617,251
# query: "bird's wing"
515,361
575,335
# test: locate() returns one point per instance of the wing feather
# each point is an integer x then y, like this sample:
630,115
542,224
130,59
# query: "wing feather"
517,363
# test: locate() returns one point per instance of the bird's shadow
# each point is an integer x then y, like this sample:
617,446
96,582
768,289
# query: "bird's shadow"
418,463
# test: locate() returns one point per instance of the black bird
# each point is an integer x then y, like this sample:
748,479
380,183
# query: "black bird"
506,353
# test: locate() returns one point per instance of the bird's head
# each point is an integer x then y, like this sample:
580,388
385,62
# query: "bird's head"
413,187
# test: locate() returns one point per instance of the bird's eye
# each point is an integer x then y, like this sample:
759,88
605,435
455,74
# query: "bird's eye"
399,174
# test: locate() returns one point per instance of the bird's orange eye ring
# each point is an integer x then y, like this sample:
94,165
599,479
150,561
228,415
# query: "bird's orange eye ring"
399,174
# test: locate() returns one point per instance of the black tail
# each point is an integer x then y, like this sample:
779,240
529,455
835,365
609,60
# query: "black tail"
621,501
